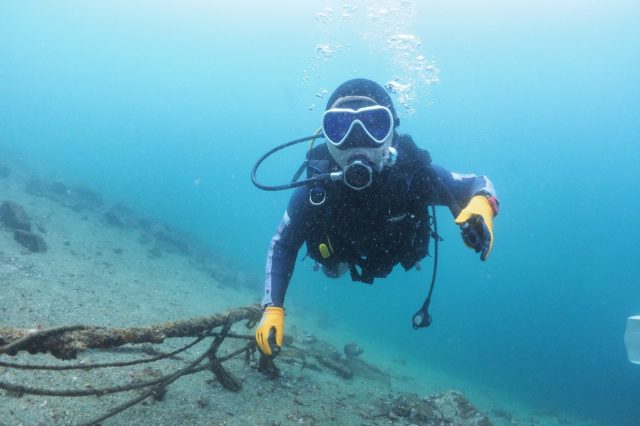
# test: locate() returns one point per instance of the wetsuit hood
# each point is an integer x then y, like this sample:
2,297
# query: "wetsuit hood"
364,87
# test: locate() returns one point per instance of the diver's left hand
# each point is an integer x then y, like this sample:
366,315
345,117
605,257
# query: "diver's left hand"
476,222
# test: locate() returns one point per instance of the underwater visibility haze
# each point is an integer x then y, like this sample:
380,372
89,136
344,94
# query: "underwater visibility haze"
167,105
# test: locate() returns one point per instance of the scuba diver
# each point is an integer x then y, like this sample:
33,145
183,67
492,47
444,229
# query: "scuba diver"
363,208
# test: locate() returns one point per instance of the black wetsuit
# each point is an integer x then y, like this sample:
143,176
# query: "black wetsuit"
373,229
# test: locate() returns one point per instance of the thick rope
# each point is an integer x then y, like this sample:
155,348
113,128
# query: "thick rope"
66,342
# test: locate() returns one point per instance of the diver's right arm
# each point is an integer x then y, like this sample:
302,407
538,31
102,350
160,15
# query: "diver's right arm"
281,259
283,249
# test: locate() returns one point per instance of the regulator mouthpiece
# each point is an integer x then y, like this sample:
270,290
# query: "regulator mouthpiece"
358,175
632,339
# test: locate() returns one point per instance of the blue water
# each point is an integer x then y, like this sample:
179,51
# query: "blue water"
165,105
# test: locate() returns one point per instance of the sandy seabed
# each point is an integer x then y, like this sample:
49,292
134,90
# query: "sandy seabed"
105,266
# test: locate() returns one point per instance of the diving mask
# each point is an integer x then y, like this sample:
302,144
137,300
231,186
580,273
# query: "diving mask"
375,121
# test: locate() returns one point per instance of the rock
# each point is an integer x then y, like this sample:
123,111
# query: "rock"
337,365
368,371
172,240
30,240
309,339
287,340
443,408
14,216
454,405
4,172
122,217
401,407
154,253
89,196
352,350
60,189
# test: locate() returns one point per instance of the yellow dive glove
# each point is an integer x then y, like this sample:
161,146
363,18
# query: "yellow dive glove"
272,322
476,221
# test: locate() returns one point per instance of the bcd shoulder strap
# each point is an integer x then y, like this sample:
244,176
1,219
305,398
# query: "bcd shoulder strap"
319,161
